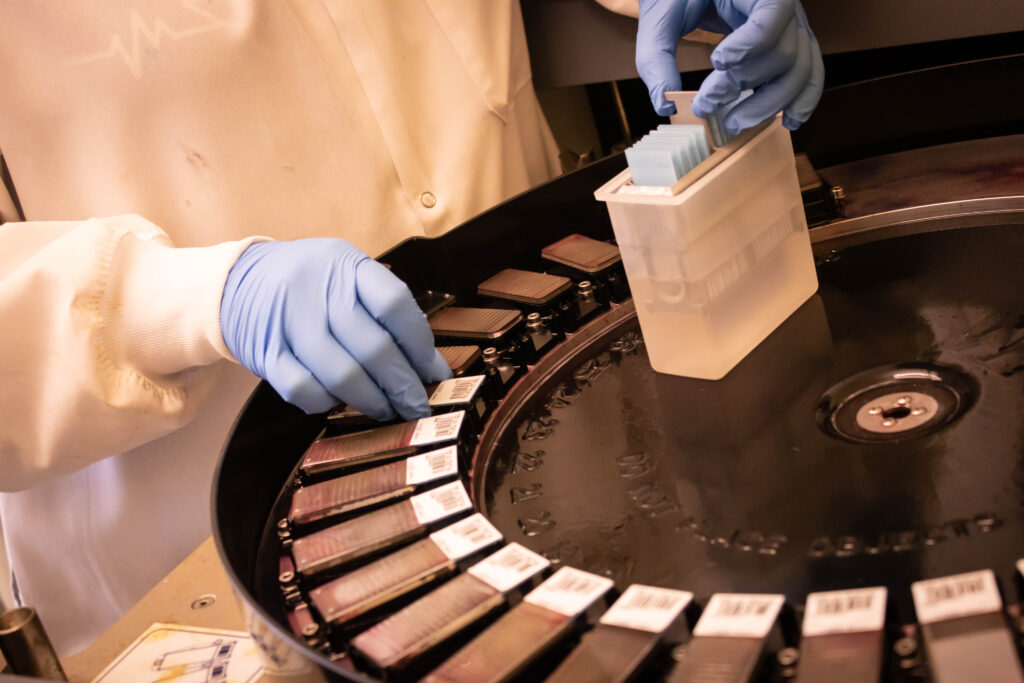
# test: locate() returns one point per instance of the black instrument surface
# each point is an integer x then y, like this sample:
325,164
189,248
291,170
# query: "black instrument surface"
732,486
760,482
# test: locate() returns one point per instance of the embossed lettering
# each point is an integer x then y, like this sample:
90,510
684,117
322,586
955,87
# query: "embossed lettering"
628,343
747,541
537,525
773,544
540,428
903,540
653,501
591,369
562,396
987,521
633,465
521,493
528,462
740,540
821,547
932,535
847,546
694,526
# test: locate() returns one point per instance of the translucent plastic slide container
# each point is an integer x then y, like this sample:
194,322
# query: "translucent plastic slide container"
717,261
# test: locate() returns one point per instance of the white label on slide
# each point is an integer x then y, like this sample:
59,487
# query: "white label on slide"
846,611
741,615
647,608
960,595
570,591
465,537
455,391
509,567
436,429
441,502
433,465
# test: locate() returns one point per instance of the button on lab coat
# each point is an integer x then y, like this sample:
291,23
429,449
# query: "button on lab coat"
181,129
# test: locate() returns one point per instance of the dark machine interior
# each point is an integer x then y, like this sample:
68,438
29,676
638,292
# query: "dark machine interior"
759,482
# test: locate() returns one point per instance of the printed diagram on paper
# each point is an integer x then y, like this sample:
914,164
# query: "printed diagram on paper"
186,654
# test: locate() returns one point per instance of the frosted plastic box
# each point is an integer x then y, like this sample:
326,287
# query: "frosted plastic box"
720,259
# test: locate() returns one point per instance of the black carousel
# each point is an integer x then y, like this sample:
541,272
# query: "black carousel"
874,439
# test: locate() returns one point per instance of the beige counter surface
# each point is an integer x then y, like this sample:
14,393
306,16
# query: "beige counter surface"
196,593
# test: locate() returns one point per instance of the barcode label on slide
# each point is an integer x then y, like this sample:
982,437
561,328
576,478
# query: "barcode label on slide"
430,466
960,595
437,429
846,611
570,591
740,615
465,537
441,502
455,391
647,608
509,567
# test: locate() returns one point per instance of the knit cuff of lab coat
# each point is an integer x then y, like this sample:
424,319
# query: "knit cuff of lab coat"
163,304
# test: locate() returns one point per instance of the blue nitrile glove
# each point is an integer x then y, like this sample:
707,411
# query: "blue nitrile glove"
324,323
769,47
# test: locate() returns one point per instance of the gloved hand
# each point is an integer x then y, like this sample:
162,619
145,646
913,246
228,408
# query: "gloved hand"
324,323
769,47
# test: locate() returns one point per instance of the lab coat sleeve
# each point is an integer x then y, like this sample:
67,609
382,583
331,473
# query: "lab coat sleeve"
110,336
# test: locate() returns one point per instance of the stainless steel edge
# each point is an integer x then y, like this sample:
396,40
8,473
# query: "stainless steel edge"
924,218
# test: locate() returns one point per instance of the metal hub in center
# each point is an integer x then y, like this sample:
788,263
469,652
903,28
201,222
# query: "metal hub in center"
893,403
897,412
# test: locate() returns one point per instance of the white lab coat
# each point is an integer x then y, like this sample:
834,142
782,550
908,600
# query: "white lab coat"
369,120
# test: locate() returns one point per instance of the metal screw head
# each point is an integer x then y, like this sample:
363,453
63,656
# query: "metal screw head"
905,647
282,524
310,630
203,601
585,287
533,316
888,422
679,653
788,656
286,577
918,411
292,596
838,192
490,352
903,401
875,410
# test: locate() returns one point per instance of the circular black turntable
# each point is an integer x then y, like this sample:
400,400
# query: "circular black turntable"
746,484
874,439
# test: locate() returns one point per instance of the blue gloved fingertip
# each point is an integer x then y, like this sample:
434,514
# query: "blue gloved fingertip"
666,108
381,415
701,108
312,405
791,123
439,369
410,412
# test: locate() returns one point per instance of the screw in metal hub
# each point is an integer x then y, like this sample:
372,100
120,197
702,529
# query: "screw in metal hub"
895,402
